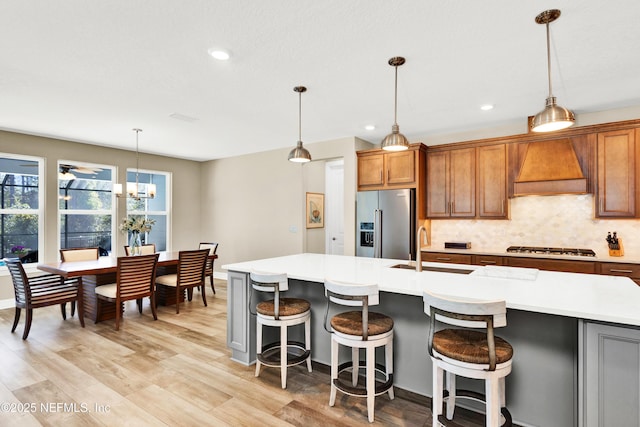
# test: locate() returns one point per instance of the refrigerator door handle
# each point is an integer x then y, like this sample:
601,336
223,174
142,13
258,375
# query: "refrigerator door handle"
377,234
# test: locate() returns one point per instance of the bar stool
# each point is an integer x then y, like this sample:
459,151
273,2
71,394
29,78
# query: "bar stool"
281,313
359,329
469,353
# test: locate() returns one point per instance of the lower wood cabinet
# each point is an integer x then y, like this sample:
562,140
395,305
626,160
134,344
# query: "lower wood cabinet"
609,375
488,260
446,257
553,264
631,271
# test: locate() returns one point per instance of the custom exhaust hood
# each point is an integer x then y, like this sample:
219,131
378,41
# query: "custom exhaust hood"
550,167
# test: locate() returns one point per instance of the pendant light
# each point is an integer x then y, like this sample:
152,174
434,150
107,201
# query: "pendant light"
395,141
133,187
299,154
553,117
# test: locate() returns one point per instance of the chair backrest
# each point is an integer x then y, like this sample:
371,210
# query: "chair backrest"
191,267
79,254
352,295
269,282
466,313
212,246
136,276
19,279
148,249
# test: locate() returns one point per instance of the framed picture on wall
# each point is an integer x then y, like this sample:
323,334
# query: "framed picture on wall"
315,210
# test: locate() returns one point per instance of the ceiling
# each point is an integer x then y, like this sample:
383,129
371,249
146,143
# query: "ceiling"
91,71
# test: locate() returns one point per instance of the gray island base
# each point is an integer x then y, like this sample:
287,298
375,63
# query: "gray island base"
576,362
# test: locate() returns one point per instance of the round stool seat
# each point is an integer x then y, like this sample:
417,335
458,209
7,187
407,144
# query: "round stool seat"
350,323
288,307
470,346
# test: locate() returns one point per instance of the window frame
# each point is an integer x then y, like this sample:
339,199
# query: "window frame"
147,213
42,186
113,211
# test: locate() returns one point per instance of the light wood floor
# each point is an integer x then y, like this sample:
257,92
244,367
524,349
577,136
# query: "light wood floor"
174,371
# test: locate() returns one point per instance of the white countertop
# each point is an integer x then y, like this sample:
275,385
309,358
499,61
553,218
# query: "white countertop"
613,299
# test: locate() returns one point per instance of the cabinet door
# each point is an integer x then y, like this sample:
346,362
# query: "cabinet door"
588,267
610,370
446,257
492,181
401,167
370,171
438,184
616,174
488,260
462,186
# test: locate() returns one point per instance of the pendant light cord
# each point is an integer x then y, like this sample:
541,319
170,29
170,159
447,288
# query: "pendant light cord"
549,62
137,156
395,100
299,116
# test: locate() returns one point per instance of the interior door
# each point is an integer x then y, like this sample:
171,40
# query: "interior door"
334,206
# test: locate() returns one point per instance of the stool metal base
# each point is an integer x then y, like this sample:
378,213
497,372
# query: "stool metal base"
472,395
381,387
296,354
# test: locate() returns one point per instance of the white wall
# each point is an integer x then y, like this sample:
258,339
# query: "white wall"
254,205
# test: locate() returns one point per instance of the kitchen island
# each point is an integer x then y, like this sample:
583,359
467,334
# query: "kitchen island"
549,317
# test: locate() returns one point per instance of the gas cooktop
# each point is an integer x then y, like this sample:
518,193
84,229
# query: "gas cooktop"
550,251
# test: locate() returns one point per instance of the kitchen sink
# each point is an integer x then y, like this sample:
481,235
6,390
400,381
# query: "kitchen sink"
436,269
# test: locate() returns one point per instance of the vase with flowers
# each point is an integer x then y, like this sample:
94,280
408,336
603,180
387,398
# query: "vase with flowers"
135,225
19,250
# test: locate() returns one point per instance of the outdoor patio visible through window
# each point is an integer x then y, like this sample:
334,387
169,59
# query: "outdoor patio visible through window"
20,207
86,207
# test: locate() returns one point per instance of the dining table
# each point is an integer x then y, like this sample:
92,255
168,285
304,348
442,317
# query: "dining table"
102,271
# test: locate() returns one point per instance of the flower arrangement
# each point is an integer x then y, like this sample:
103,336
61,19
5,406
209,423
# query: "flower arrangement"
19,250
137,224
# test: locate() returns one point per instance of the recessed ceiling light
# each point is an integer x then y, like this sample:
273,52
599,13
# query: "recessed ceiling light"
370,127
486,107
219,54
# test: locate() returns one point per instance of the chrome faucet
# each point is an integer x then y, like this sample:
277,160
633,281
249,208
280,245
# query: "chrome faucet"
418,245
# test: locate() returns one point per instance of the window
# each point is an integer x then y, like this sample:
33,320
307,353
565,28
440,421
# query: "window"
85,203
155,208
20,203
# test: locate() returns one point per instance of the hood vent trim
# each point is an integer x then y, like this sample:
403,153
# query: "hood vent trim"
550,167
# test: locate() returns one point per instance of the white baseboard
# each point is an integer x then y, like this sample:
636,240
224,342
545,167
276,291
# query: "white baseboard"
219,275
7,303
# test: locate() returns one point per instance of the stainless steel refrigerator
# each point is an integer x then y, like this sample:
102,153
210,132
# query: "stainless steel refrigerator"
386,224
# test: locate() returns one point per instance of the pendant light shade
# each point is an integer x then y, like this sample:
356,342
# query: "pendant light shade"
553,117
299,154
395,141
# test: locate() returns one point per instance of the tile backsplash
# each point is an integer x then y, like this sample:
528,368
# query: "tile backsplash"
553,221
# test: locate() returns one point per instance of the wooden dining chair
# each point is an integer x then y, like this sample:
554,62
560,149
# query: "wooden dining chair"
135,279
79,254
41,291
73,255
208,269
147,249
190,274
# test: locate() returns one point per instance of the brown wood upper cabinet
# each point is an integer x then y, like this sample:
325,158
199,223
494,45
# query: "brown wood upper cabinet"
451,183
379,169
492,181
616,168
